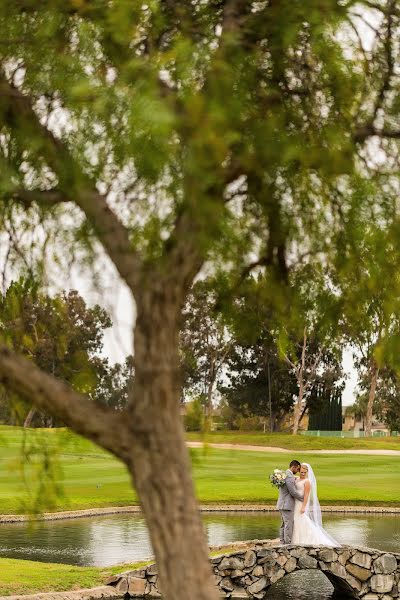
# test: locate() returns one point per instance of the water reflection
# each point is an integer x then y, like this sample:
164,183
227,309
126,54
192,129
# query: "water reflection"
303,585
108,540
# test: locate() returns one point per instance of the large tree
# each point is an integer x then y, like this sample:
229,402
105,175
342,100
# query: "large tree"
205,342
60,334
370,313
259,382
172,133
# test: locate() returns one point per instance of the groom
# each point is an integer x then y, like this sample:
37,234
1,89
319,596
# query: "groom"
287,496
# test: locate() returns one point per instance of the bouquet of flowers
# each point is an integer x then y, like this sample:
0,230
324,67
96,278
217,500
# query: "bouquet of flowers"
278,478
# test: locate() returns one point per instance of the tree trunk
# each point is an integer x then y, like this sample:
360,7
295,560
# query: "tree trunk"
208,407
160,465
29,417
371,398
297,409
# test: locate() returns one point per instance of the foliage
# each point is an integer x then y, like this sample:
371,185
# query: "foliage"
204,342
255,375
63,336
370,313
113,382
194,416
326,410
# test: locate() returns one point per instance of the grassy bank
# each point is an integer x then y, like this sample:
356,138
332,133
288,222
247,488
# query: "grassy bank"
92,478
29,577
295,442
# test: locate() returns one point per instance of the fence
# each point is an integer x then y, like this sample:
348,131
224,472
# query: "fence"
349,434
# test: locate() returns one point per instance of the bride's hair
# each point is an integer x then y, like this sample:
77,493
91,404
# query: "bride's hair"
305,466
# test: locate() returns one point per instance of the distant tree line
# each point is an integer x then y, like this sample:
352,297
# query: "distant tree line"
259,369
64,336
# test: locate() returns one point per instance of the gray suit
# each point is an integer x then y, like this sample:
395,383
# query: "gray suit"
287,496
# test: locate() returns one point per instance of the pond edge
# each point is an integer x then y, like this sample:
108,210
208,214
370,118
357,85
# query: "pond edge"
220,508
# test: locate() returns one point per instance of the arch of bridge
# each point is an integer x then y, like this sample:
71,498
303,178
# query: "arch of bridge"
355,572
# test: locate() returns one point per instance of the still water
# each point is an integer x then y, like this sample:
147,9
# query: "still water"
114,539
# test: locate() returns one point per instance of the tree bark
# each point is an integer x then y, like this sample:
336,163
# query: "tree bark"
371,398
148,437
159,460
29,417
297,408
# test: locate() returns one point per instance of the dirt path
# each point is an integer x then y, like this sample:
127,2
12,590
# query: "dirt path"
284,450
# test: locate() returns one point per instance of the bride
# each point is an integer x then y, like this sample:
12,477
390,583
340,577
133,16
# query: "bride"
307,524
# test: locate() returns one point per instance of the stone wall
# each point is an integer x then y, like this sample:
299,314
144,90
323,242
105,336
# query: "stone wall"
355,572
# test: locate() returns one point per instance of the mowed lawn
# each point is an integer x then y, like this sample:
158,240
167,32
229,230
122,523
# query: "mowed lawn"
241,476
295,442
92,478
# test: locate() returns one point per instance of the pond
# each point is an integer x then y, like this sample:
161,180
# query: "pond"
114,539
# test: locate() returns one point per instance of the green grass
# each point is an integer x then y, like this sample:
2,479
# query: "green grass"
295,442
231,476
93,478
29,577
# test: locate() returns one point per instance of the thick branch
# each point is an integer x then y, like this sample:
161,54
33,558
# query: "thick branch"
363,133
75,185
87,418
43,197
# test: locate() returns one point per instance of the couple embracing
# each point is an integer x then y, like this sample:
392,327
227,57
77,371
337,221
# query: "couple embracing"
300,509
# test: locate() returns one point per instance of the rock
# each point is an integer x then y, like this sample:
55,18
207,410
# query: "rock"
263,553
267,560
361,559
239,593
337,569
371,597
113,579
271,571
327,555
297,552
257,586
152,570
290,565
281,560
230,562
153,592
250,558
238,573
307,562
136,585
216,560
122,585
344,557
258,571
355,584
385,564
226,584
134,573
359,572
277,575
381,583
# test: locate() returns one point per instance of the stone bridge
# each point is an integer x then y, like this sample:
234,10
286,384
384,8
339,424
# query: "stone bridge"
354,572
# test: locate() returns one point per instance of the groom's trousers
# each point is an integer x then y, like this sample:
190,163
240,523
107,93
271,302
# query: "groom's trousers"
286,530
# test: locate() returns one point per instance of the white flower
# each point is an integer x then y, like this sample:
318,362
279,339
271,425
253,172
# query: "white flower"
276,470
279,476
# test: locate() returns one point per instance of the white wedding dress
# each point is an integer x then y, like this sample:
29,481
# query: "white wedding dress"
307,526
